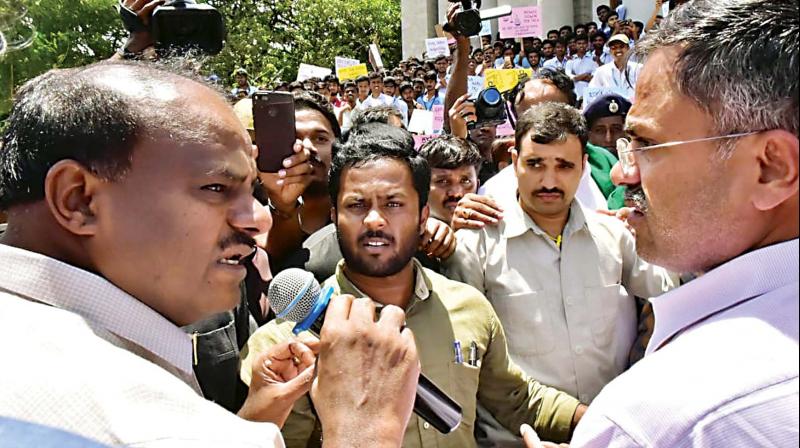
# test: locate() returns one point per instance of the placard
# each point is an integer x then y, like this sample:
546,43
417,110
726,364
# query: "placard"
436,47
486,28
474,86
420,140
307,71
340,62
421,122
590,94
375,57
525,21
505,129
505,79
438,118
352,72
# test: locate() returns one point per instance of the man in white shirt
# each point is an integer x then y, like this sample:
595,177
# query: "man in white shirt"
559,60
378,98
621,74
562,279
712,173
129,195
582,66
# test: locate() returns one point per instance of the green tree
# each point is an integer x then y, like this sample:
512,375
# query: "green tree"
270,38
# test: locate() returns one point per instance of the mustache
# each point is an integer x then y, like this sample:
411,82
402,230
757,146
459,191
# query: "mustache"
455,199
549,191
374,234
637,197
236,239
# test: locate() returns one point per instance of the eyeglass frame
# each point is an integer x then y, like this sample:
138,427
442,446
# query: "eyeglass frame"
626,154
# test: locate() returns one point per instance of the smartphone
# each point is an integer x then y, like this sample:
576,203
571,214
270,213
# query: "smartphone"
273,122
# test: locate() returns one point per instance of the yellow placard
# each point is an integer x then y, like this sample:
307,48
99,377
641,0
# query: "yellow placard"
352,72
505,79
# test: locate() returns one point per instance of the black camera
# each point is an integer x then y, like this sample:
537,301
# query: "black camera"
490,109
186,24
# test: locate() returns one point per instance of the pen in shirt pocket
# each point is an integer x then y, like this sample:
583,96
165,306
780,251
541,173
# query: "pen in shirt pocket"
459,358
473,354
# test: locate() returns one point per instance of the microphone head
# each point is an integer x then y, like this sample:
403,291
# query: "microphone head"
293,294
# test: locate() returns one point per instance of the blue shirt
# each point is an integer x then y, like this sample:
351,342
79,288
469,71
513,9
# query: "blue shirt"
428,105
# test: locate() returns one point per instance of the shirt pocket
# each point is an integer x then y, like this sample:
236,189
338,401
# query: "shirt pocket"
606,304
464,380
527,323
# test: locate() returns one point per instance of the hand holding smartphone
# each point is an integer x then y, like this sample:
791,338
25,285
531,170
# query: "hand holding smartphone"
273,121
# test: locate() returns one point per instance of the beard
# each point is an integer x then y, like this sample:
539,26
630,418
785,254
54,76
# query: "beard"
366,265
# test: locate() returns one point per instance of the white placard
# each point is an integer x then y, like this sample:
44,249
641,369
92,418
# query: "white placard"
421,122
307,71
486,28
592,93
375,56
340,62
474,86
437,47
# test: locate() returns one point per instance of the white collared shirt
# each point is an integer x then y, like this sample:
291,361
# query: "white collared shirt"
84,356
386,100
554,63
581,66
625,81
721,368
569,312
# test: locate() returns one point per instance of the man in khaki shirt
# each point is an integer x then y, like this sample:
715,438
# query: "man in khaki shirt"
380,187
561,278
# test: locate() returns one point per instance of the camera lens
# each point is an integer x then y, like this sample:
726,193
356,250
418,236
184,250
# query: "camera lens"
491,97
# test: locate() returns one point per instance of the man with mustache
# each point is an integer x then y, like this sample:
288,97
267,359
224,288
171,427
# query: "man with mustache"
712,168
454,163
129,195
561,278
379,186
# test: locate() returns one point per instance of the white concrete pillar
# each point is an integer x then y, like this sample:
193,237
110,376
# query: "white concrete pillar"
640,10
417,24
555,13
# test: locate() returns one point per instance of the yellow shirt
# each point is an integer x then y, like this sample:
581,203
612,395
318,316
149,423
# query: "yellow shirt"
441,312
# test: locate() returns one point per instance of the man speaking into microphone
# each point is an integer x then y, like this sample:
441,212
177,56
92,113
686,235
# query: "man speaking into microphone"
379,187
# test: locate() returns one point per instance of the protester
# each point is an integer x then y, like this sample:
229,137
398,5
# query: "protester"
380,188
431,97
621,74
243,88
454,164
581,67
407,93
559,59
599,53
363,85
91,167
343,116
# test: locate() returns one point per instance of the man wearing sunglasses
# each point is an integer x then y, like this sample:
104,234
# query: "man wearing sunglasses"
712,174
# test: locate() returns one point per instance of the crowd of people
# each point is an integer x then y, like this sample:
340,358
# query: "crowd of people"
621,271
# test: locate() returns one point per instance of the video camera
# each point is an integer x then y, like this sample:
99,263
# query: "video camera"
468,21
181,24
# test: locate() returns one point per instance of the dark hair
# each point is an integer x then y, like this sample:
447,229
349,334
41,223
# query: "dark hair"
375,141
602,7
639,25
579,26
376,75
331,78
589,24
441,57
612,13
549,41
362,78
431,76
390,80
296,85
349,83
551,32
450,152
314,101
594,36
551,122
582,37
405,86
69,115
737,61
565,27
561,41
374,114
556,77
416,80
476,51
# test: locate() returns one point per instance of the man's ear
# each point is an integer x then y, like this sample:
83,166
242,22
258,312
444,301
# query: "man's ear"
70,190
585,159
778,158
425,213
514,156
333,215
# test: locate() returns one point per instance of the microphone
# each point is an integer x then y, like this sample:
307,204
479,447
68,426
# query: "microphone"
296,296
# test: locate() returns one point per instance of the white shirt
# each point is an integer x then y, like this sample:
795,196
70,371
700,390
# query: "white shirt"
554,63
569,313
721,369
503,187
386,100
82,355
610,76
580,66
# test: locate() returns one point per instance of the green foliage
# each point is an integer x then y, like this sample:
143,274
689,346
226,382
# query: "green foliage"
270,38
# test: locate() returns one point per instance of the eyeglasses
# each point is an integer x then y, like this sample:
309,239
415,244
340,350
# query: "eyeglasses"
626,152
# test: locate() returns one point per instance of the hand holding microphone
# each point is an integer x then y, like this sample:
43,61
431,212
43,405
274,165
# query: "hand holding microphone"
362,363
